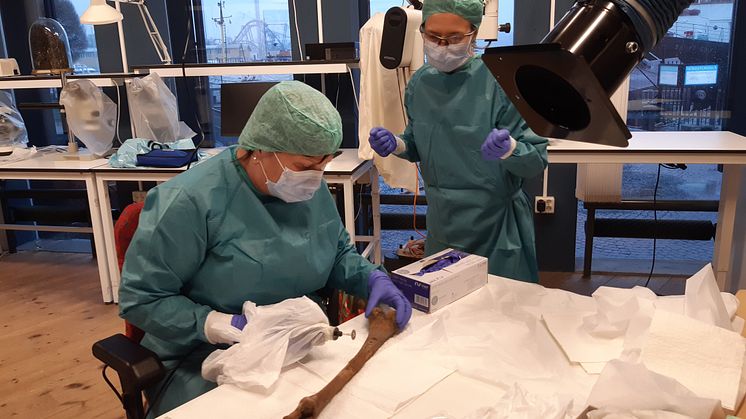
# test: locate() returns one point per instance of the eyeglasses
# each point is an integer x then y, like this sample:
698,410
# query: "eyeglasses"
449,40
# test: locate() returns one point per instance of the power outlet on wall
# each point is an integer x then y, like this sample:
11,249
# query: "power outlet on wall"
544,205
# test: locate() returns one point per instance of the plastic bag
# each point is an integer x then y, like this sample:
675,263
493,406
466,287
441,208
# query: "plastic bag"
126,156
91,115
154,110
276,335
12,128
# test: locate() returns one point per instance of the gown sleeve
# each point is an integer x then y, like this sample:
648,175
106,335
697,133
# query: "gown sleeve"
166,251
350,271
530,156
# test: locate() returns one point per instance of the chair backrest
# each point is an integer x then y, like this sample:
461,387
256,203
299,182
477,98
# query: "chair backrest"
124,230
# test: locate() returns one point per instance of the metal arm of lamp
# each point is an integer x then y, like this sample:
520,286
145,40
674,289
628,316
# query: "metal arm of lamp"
100,13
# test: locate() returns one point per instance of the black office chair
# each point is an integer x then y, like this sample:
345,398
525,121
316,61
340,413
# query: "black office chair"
138,368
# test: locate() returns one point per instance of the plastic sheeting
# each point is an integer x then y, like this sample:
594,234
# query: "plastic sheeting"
91,115
13,133
155,111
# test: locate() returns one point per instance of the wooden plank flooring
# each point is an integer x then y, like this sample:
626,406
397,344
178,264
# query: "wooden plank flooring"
573,282
51,312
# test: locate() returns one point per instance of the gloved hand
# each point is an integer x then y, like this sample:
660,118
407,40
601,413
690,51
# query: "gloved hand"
382,141
224,328
239,321
382,290
498,145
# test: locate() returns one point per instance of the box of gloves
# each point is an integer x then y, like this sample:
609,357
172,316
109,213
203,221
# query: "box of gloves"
438,280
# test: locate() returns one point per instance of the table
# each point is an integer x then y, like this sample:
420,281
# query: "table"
704,147
346,169
53,166
455,394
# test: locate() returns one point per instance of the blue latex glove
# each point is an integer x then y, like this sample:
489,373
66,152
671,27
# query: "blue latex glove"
382,290
382,141
497,145
238,321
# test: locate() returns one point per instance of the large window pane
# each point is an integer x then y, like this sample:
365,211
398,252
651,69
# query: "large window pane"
242,31
82,38
247,31
682,84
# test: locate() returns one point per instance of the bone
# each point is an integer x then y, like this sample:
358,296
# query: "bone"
382,326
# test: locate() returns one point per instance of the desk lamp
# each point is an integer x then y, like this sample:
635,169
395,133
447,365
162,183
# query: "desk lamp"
100,13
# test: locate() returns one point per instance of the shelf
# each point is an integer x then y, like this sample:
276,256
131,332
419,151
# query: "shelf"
250,69
54,82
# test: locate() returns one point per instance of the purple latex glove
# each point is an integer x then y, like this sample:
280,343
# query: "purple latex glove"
238,321
497,145
382,290
382,141
442,263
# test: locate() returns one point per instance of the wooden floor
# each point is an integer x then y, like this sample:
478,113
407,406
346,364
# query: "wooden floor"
52,312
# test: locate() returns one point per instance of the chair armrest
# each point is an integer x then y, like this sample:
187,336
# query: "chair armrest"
137,366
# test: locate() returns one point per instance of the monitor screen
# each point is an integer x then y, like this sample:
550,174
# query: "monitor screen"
668,75
237,102
698,75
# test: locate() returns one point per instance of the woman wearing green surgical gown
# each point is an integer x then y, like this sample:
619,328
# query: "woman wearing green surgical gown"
474,149
253,223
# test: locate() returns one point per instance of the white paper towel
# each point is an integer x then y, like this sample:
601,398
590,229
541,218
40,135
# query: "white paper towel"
703,300
706,359
627,386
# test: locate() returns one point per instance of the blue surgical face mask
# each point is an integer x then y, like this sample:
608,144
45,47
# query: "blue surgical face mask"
448,58
294,186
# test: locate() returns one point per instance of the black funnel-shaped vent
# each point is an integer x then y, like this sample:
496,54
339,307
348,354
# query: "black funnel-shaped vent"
562,86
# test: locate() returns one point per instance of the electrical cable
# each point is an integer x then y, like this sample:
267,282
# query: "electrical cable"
336,100
354,91
297,31
400,93
119,112
167,382
190,99
414,207
114,389
655,224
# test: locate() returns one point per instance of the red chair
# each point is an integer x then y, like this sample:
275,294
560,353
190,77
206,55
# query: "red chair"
124,231
138,368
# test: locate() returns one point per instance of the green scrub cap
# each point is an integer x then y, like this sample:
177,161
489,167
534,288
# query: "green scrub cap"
294,118
471,10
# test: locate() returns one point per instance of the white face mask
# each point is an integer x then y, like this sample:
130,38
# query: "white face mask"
294,186
448,58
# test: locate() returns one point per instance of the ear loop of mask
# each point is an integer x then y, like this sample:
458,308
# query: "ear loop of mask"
261,166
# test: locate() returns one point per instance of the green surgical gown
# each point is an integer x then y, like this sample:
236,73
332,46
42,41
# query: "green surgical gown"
208,240
474,205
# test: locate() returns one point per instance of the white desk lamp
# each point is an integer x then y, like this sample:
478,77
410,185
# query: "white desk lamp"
100,13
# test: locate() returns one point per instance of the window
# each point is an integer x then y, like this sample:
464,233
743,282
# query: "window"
681,85
82,37
243,31
247,31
